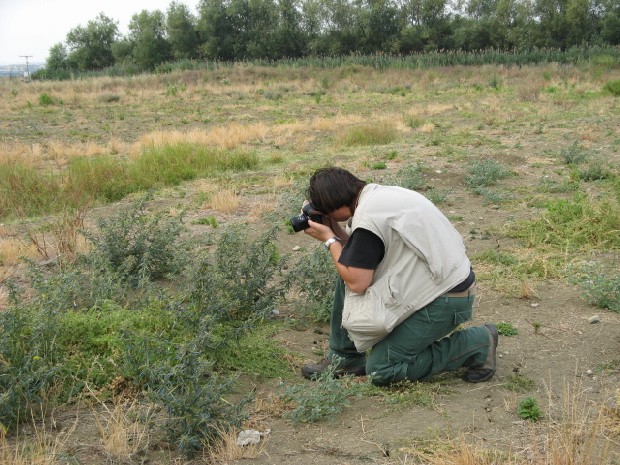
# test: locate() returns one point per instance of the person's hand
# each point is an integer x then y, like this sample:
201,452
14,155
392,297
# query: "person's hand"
319,231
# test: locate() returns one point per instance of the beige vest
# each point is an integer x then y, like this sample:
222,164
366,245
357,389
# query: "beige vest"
424,258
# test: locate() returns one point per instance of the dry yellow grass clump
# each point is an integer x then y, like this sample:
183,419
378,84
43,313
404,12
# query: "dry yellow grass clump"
226,137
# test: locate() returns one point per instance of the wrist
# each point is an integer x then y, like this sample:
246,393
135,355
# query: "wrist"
328,243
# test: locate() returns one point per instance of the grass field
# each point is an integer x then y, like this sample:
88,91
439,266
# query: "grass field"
148,278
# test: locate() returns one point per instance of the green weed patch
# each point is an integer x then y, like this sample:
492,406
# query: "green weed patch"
27,192
324,398
517,382
577,223
600,285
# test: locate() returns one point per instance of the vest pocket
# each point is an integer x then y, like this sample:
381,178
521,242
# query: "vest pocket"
389,292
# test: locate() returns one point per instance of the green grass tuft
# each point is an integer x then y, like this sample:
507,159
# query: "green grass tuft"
613,87
517,382
575,223
507,329
375,134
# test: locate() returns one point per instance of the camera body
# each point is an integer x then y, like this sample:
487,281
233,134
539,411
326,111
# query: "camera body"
299,223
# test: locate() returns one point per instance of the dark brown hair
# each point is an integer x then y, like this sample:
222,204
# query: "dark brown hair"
333,188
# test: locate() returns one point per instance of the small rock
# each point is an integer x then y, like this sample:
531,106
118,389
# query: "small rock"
248,436
594,319
438,171
534,304
589,373
296,248
500,356
506,353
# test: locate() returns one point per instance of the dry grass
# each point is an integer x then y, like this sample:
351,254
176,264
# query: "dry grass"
611,415
123,437
574,432
529,90
527,290
427,128
453,452
226,449
42,447
225,201
12,250
227,137
61,236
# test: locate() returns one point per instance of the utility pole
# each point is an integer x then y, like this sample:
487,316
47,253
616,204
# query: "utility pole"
27,69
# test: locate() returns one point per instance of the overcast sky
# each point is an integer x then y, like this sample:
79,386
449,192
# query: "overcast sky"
31,27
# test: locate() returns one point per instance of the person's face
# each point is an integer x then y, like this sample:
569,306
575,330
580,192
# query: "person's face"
341,214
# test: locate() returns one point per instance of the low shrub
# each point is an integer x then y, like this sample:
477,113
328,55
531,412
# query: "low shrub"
180,377
594,171
529,410
600,285
574,154
517,382
485,173
324,398
136,245
29,364
411,177
46,99
313,278
109,98
100,319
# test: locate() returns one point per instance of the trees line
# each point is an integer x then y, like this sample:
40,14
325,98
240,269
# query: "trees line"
234,30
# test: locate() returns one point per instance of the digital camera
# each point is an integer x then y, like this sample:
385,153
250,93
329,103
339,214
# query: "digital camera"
299,223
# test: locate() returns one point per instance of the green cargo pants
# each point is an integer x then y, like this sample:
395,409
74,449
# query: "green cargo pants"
417,348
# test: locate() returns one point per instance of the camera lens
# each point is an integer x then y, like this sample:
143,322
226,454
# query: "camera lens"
299,223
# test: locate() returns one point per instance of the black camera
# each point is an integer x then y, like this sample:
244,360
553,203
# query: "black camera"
300,222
